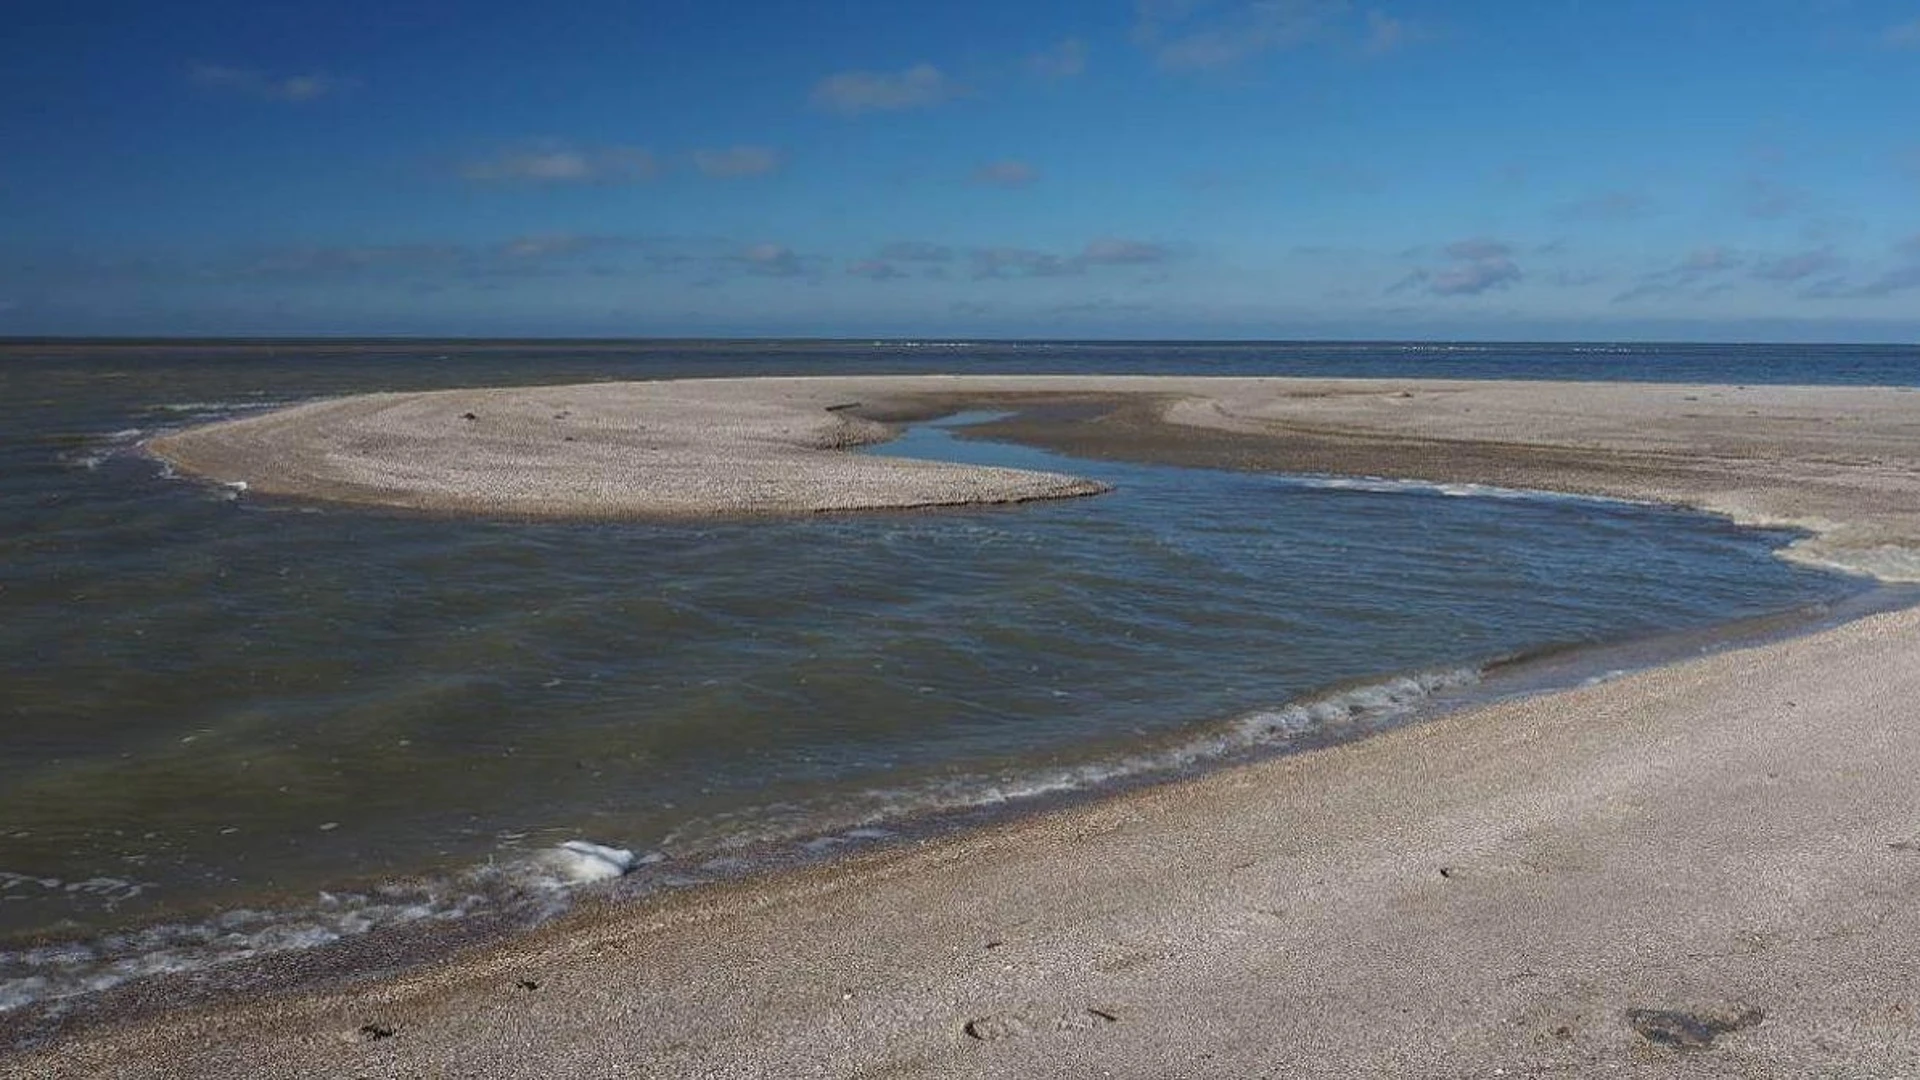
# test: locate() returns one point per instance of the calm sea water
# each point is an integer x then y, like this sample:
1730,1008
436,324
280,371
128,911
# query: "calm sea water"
231,725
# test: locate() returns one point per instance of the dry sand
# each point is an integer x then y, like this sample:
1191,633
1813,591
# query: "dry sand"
1711,868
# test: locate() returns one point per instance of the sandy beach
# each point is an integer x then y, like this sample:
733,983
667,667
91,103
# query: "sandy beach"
1703,869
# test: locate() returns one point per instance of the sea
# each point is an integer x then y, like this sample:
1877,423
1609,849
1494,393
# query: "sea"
234,727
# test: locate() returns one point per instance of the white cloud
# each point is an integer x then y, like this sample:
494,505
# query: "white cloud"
1386,34
1112,251
1798,267
1007,174
875,270
1479,264
1018,262
546,245
306,87
1605,206
1708,260
1905,35
737,161
1005,262
1193,35
1473,278
773,260
915,251
851,93
563,164
1699,275
1479,247
1063,61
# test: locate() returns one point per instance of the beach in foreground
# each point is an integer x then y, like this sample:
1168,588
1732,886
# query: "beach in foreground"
1705,868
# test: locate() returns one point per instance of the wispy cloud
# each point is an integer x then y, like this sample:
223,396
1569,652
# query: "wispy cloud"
876,270
1699,275
1113,251
1768,200
1009,262
1574,279
915,251
1196,35
773,260
267,86
1797,267
552,245
1477,248
1899,278
1904,35
1478,264
1013,262
529,255
735,161
1605,206
558,163
1063,61
851,93
1006,174
1105,305
1388,34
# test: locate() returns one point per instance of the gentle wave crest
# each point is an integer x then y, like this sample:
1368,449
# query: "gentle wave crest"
534,888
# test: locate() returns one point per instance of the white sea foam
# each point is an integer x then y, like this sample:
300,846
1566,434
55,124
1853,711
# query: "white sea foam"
538,886
818,827
578,862
1391,485
218,406
534,888
1370,704
1885,562
102,448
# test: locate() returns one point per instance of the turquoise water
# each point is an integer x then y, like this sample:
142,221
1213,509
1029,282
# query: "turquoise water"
233,724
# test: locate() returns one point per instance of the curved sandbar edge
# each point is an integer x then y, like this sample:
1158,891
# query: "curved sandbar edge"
1841,463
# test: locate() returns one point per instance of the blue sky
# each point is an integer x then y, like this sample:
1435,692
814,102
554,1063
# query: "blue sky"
1162,168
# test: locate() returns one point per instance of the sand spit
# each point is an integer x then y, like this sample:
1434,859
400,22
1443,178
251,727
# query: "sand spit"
589,451
1841,462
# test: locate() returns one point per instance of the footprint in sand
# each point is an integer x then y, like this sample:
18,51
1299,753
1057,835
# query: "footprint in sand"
1001,1026
1689,1030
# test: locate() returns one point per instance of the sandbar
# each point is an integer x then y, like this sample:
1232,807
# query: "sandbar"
1842,463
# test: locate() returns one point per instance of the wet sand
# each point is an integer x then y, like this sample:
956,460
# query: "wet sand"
1704,869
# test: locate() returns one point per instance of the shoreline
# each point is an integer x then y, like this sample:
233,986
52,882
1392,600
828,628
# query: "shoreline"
895,1015
1838,462
1423,874
1372,705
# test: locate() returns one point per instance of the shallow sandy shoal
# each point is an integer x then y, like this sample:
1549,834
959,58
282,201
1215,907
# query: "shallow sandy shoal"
1840,462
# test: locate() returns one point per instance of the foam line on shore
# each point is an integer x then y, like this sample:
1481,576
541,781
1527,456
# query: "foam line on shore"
534,888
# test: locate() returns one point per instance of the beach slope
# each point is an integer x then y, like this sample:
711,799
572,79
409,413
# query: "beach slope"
1706,869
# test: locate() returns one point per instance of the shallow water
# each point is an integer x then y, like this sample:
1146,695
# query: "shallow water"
217,704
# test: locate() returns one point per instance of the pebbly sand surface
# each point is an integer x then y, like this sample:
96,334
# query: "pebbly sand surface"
1706,869
1840,462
